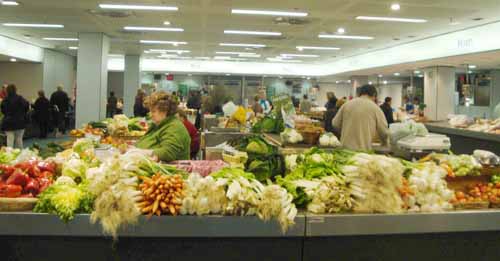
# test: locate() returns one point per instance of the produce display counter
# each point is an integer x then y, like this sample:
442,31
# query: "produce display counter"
451,236
34,224
466,141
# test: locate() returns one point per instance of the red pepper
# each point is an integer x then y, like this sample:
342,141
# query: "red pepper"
10,191
25,166
46,174
6,171
49,166
17,178
33,187
44,183
34,171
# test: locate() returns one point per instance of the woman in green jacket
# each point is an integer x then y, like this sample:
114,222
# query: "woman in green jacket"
167,137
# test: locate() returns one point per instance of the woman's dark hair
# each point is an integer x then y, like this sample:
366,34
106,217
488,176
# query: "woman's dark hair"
388,99
11,90
369,90
41,93
305,96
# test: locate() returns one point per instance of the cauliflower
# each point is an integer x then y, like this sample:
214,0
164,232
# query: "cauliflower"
291,136
329,140
75,169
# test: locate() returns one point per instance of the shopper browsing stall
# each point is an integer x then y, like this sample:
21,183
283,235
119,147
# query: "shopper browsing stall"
387,109
360,120
167,137
14,109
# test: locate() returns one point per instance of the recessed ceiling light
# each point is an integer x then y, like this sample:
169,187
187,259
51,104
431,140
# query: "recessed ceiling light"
168,51
250,55
309,78
202,58
300,48
237,53
421,76
60,39
417,72
143,28
228,74
299,55
470,72
341,30
35,25
166,23
337,82
13,60
162,42
472,66
9,3
243,45
397,74
73,47
139,7
391,19
349,81
395,7
252,32
354,37
370,83
385,82
280,60
380,76
281,77
264,12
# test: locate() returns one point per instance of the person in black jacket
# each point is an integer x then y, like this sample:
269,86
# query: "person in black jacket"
112,105
387,109
139,109
14,109
331,113
60,100
42,113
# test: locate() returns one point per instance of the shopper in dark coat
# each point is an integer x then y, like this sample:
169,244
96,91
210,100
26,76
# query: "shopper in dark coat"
387,109
60,100
42,113
139,109
112,104
15,109
331,113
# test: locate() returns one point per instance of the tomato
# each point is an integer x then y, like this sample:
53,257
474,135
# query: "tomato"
10,191
460,195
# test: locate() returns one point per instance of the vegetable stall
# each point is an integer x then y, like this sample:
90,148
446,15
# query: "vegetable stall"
276,203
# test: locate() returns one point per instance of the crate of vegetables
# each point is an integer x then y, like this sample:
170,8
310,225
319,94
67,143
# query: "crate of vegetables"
478,196
21,183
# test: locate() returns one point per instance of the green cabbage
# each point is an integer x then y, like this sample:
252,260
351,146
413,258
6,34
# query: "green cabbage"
75,169
65,201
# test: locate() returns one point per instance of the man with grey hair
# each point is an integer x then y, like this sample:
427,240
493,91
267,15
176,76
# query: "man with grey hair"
60,101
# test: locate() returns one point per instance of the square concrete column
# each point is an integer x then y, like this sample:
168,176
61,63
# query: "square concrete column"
439,92
92,78
132,82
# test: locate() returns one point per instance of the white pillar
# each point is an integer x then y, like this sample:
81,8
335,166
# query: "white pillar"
92,78
357,81
132,82
439,92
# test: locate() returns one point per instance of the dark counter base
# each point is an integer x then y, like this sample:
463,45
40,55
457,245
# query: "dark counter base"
167,249
452,246
424,247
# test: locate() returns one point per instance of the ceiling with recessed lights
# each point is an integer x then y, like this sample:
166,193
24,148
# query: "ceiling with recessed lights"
203,23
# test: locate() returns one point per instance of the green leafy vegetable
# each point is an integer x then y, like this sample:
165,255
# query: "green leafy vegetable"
65,201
